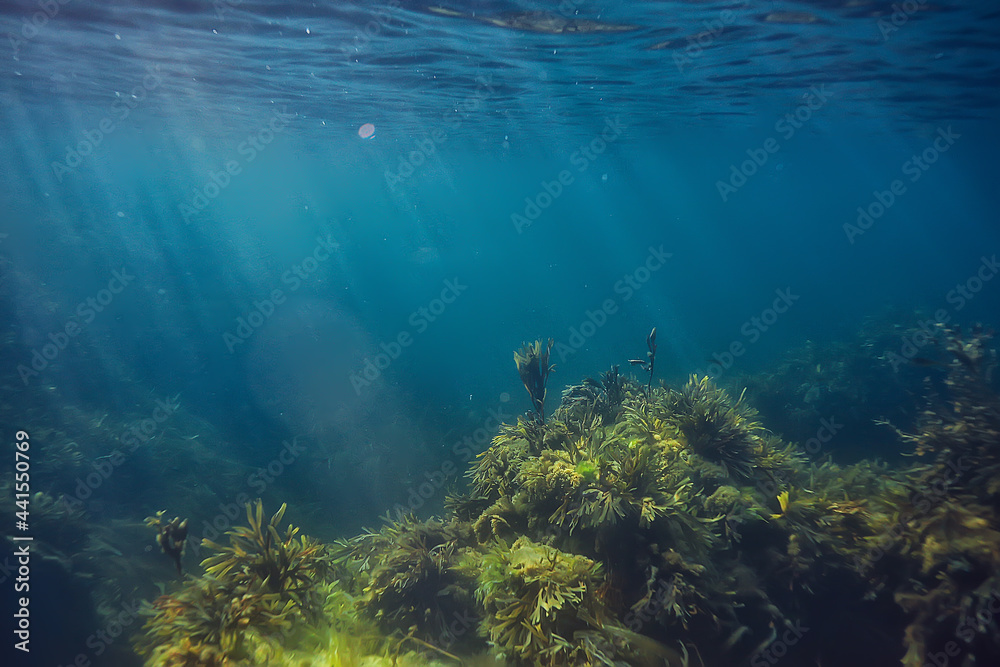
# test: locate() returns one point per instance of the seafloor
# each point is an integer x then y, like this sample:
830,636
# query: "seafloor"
840,509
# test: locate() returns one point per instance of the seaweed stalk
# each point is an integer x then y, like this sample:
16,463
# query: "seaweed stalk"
649,362
170,535
533,367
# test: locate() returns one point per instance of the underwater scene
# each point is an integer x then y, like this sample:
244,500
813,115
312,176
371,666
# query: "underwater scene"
500,332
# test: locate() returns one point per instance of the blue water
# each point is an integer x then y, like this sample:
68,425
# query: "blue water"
582,171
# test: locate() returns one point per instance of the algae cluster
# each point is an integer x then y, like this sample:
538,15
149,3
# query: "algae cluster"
639,525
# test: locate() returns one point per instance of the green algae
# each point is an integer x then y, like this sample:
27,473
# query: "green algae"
637,526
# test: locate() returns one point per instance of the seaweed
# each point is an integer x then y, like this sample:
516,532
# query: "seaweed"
171,536
260,581
257,556
649,362
943,555
714,427
601,398
407,579
532,362
541,605
641,525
